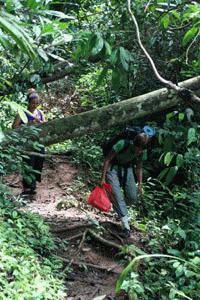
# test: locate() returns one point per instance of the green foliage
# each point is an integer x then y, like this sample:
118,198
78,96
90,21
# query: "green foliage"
176,282
186,275
164,211
28,270
101,40
176,139
88,155
94,89
109,40
40,33
13,151
22,39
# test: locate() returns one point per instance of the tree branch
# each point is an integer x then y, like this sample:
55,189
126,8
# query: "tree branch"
70,69
181,27
147,6
183,93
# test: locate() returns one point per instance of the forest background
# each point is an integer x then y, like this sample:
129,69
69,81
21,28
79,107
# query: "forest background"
83,55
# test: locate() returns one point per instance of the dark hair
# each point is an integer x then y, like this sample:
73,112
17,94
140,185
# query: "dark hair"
142,140
32,96
30,91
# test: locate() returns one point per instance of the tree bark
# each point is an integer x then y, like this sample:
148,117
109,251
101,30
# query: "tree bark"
59,130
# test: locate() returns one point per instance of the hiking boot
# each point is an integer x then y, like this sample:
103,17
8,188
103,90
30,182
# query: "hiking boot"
32,192
126,233
25,193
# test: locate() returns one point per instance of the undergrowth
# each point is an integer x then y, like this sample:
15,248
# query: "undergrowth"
28,270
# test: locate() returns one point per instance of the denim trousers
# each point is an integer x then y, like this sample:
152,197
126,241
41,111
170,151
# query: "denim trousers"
124,188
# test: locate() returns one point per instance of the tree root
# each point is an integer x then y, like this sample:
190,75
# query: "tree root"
90,232
74,237
95,292
116,236
104,241
89,265
69,228
82,241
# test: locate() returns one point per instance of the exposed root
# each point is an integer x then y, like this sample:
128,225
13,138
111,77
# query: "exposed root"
104,241
116,236
69,228
74,237
82,241
82,264
95,292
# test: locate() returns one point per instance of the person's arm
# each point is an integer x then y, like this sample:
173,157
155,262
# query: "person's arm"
106,165
139,173
17,122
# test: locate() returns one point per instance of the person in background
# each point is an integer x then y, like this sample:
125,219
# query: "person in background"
36,116
118,170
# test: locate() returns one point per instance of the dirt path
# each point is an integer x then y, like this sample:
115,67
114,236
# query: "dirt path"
92,268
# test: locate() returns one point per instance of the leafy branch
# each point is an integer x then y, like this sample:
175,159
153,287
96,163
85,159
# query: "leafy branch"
185,94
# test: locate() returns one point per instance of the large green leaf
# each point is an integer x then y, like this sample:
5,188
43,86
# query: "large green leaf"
179,160
190,34
191,136
171,174
134,263
168,158
108,48
8,24
165,21
124,58
20,110
163,173
113,56
99,43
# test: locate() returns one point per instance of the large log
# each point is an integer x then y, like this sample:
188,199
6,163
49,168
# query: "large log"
59,130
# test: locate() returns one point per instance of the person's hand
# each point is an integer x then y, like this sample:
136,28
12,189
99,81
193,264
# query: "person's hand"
36,121
102,182
140,189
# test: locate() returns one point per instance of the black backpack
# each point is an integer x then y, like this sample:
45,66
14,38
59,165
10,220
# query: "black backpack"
128,134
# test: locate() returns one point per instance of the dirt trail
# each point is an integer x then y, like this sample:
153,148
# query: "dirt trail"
93,267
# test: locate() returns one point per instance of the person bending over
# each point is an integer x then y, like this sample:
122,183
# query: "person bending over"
118,170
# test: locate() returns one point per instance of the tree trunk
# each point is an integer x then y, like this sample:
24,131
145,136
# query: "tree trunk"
59,130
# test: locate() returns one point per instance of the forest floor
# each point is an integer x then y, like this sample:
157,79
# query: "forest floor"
88,240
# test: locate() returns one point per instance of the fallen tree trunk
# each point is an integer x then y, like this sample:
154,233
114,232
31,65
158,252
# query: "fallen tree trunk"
59,130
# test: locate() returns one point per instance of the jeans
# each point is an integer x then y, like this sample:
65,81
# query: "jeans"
122,179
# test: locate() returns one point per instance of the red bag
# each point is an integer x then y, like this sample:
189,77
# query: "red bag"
99,197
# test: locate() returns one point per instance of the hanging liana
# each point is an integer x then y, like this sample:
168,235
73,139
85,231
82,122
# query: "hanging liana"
184,93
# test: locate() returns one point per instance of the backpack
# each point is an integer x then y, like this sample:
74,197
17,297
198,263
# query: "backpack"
128,134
